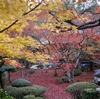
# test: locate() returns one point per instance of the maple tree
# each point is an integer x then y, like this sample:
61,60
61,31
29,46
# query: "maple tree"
17,48
53,7
58,18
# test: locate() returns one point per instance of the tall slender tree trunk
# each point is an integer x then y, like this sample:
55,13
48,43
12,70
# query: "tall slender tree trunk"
22,73
91,66
55,72
1,81
9,77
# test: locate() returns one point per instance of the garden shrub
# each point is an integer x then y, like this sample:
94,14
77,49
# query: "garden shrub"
20,92
77,72
90,93
77,88
8,68
29,97
59,80
32,97
13,91
31,71
20,83
11,68
65,79
39,90
4,95
38,98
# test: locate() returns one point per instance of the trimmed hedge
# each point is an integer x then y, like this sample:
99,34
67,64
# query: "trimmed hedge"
29,97
77,88
90,93
20,83
8,68
32,97
20,92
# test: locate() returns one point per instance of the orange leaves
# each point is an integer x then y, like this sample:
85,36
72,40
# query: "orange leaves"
67,66
11,62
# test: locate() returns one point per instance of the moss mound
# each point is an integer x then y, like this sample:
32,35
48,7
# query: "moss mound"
20,83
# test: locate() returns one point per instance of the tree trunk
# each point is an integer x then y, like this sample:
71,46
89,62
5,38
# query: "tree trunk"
1,81
55,72
9,77
22,73
91,66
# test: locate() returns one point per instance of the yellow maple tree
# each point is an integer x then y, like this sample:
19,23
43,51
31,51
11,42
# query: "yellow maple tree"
17,47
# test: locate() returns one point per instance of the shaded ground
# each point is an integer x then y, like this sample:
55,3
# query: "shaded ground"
55,90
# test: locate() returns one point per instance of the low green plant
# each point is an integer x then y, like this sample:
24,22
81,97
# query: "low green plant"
13,91
65,79
29,97
4,95
31,71
59,80
20,92
77,88
90,93
20,83
77,72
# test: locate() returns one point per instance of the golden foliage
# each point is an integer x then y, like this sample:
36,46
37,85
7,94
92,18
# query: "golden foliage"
17,47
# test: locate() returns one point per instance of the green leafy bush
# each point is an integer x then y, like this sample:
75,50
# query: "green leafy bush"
20,92
20,83
13,91
59,80
29,97
31,71
77,72
8,68
11,68
65,79
90,93
77,88
4,95
39,90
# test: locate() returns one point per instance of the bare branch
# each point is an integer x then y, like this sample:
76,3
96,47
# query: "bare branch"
9,26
